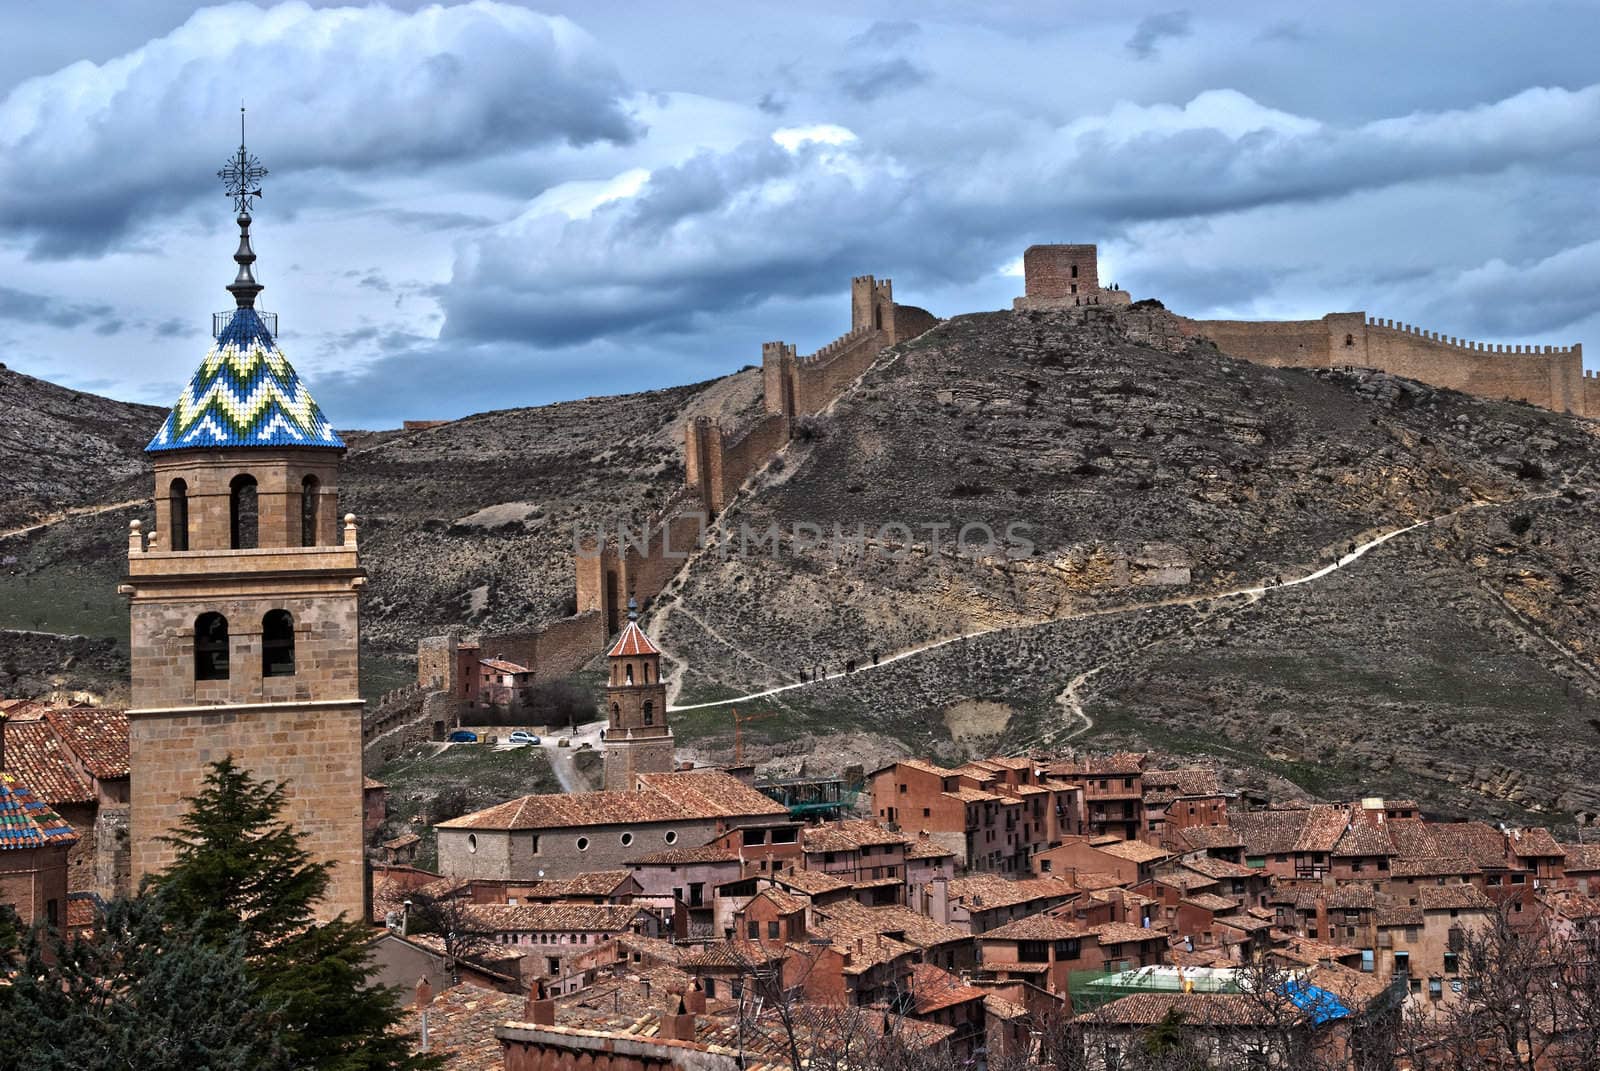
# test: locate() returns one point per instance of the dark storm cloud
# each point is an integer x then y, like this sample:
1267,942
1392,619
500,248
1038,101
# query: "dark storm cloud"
90,149
22,306
1154,29
725,230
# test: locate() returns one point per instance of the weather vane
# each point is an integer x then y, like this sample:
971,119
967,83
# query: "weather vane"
241,179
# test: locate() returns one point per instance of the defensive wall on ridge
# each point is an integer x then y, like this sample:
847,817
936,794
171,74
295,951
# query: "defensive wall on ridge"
1067,276
717,462
1548,376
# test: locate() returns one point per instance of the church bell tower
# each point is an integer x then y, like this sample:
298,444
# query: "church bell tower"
245,623
637,737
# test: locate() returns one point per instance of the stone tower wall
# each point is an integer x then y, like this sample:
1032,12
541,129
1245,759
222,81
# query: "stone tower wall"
1060,271
625,759
304,729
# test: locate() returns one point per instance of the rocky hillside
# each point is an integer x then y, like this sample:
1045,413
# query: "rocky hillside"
1456,662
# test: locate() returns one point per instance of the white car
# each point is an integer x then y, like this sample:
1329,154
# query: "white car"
522,736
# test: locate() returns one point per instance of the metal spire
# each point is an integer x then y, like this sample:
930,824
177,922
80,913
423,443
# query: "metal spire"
241,180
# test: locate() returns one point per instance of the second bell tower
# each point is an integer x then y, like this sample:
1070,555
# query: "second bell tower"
637,737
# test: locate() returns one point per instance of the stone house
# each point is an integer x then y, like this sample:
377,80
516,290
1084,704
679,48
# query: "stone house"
1129,861
764,847
504,687
547,935
1113,793
684,880
1046,950
1180,799
1582,866
937,996
871,858
980,902
564,834
1422,941
936,943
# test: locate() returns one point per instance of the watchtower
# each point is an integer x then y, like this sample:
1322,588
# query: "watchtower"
245,621
638,739
1060,271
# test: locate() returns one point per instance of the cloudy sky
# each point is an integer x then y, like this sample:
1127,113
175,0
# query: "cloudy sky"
487,204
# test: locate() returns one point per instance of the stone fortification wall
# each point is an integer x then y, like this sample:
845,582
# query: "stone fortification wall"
1548,376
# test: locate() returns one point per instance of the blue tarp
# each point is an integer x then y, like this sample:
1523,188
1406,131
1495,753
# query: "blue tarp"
1321,1005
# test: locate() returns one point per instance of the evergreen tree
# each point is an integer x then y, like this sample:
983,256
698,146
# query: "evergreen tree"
139,992
241,873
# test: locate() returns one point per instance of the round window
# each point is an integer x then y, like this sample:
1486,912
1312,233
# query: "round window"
472,842
627,839
671,836
583,844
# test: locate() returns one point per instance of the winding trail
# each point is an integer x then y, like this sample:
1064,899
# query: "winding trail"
1069,697
76,511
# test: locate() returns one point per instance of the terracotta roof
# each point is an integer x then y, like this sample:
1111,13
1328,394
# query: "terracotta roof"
1453,897
1351,897
706,853
893,920
810,882
1413,838
1364,839
500,665
1201,838
1537,841
712,794
1323,829
1211,902
461,1023
787,903
591,883
404,840
26,821
1399,915
971,795
1001,1008
1197,1009
848,835
1478,841
668,797
1582,857
1274,831
933,989
927,849
921,765
1219,868
1163,786
37,758
1573,905
98,736
1116,933
632,643
1186,880
574,918
1037,928
1135,851
735,954
1243,923
1432,867
1305,950
371,783
1122,763
984,892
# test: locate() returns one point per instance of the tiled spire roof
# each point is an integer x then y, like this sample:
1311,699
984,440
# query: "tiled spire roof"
245,393
26,821
632,642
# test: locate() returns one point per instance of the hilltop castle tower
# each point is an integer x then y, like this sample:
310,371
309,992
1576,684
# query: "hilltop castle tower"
637,737
245,623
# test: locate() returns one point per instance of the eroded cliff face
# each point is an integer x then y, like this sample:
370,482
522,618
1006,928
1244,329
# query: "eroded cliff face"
1133,455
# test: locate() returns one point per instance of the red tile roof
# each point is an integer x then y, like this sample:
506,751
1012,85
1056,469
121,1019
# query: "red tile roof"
36,757
706,853
670,797
500,665
98,736
933,989
1452,897
632,642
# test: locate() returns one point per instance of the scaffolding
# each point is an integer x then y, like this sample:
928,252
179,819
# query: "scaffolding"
812,797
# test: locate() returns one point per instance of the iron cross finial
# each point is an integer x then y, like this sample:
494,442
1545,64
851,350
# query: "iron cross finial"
241,179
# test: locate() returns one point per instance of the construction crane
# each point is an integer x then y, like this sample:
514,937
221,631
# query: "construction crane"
738,731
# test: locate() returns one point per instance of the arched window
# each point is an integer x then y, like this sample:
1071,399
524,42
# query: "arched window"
1074,271
644,673
243,516
616,714
649,712
877,317
178,507
627,673
211,647
1349,340
277,644
310,505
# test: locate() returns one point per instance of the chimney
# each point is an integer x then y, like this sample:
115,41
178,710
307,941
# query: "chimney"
679,1026
540,1009
695,998
424,998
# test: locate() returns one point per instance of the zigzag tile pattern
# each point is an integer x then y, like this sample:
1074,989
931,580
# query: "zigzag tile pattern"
245,393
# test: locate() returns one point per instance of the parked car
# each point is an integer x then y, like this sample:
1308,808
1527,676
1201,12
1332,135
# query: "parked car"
463,736
522,736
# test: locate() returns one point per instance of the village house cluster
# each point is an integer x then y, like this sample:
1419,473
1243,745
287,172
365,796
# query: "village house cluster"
687,917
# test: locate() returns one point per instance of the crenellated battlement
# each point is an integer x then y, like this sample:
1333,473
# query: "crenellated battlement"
835,348
1468,345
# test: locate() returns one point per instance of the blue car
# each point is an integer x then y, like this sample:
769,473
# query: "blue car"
463,736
